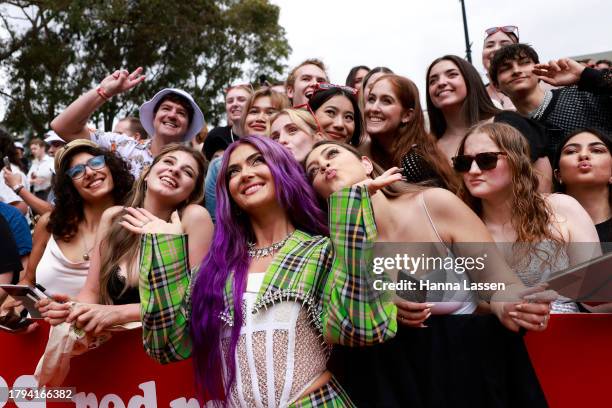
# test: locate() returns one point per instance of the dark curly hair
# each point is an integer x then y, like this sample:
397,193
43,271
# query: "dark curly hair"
68,212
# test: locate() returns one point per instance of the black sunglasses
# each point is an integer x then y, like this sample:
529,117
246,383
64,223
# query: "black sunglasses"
485,161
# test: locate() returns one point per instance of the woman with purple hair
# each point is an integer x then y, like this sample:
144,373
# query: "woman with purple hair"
274,290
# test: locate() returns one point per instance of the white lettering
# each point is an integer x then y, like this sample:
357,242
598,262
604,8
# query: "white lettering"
148,398
183,403
111,398
85,401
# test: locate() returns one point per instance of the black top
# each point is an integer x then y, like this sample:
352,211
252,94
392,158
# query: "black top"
586,105
218,139
604,231
533,131
116,285
10,262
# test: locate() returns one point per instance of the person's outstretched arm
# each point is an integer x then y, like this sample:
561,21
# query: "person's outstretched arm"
71,123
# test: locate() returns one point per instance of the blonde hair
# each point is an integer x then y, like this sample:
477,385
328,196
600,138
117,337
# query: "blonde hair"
279,101
311,61
301,118
120,245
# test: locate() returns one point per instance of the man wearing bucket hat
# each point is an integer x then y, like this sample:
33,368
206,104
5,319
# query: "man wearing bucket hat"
54,142
171,116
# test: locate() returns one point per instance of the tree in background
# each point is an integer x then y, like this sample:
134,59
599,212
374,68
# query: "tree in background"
53,51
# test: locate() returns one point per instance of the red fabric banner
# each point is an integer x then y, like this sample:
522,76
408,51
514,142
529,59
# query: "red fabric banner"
573,360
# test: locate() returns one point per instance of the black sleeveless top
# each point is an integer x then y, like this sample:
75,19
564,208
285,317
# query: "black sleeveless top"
116,285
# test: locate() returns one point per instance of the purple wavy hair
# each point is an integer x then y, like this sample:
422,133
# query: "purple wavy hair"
228,253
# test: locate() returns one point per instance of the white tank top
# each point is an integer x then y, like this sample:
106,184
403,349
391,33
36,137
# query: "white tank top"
58,274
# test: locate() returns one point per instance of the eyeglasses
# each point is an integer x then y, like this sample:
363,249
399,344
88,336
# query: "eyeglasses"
324,86
309,109
506,29
78,171
485,161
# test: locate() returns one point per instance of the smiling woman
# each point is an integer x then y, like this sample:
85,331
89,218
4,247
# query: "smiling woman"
337,112
172,184
272,286
258,110
88,181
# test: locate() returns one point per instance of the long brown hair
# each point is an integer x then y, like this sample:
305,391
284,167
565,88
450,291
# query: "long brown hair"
413,135
477,105
120,244
531,215
391,191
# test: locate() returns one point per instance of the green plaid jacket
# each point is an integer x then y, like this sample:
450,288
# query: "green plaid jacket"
330,276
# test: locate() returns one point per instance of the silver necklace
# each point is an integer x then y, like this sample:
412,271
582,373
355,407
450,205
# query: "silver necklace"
537,114
266,251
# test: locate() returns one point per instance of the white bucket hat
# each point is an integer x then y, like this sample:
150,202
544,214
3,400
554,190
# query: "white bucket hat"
147,115
51,136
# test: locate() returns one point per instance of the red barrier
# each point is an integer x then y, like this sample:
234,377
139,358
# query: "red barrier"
573,360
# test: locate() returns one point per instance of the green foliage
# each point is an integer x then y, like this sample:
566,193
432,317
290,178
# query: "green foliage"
53,51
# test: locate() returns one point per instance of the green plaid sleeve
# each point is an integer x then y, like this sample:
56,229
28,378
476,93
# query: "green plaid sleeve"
354,313
164,297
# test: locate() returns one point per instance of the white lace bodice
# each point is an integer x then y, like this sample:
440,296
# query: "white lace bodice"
278,355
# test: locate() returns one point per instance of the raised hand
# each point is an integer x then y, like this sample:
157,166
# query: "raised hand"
141,221
563,72
121,81
11,179
388,177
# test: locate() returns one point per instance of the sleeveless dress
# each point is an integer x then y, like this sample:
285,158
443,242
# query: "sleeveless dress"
58,274
459,360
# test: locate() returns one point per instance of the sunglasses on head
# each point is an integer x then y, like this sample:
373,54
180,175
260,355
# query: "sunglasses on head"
506,29
324,86
78,171
309,109
485,161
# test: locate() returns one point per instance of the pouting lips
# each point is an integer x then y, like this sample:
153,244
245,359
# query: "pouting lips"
169,181
330,174
258,127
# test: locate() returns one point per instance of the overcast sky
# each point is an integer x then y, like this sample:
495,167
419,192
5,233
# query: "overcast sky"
406,35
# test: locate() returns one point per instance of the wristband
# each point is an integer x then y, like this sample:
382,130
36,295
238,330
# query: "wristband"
17,188
103,93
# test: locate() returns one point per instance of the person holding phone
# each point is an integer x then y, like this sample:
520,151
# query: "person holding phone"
302,287
171,188
89,181
10,164
441,341
538,234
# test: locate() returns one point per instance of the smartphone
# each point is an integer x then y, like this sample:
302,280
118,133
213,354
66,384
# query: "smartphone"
7,162
27,295
14,323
